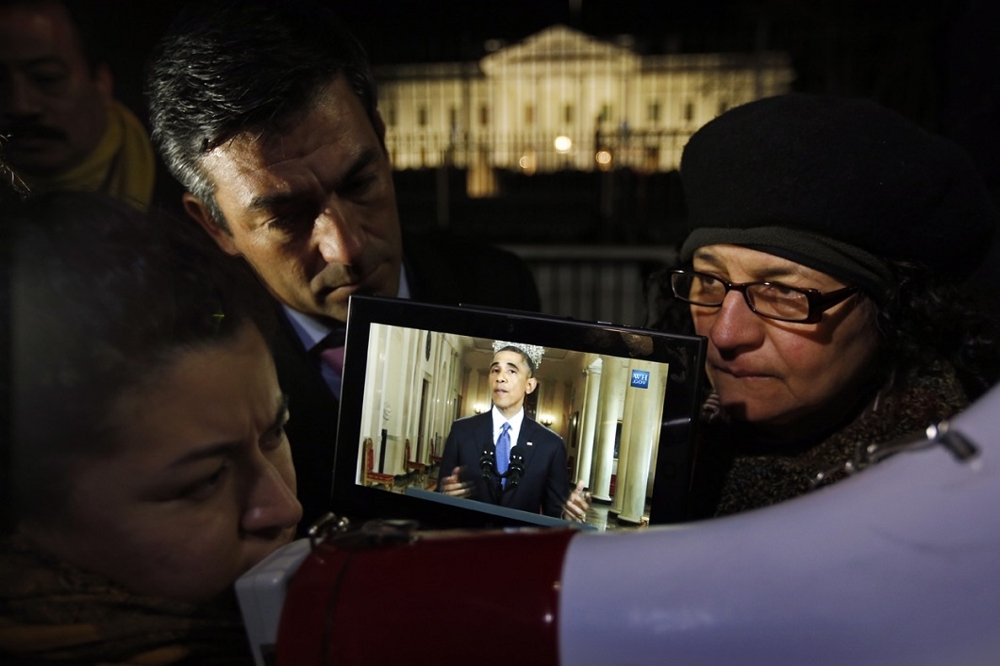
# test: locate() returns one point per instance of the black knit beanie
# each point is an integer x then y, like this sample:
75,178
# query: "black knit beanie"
839,185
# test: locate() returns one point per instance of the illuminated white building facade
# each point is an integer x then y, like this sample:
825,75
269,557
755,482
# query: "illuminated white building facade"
562,99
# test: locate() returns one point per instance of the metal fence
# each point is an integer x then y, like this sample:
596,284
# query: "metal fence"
594,283
619,207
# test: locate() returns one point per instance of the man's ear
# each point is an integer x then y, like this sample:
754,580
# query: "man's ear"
104,80
379,124
530,385
197,209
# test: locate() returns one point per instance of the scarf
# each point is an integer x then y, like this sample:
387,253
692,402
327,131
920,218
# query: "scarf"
121,165
52,611
732,477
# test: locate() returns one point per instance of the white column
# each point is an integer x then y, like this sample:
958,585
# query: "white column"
588,418
622,473
643,433
612,403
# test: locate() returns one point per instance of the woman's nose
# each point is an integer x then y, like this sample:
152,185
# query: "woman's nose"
272,505
735,325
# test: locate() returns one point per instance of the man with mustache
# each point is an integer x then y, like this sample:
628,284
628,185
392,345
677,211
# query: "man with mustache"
64,129
266,113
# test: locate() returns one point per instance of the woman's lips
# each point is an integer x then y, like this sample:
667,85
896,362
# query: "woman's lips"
741,373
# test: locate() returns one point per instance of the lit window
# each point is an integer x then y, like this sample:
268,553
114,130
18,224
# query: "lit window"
654,112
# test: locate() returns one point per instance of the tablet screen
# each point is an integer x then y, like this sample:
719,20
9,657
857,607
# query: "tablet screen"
427,388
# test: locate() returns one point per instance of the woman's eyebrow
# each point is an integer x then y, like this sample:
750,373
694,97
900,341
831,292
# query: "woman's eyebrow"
764,273
224,449
773,272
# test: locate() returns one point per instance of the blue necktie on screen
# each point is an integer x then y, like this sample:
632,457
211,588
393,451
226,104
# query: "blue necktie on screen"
503,450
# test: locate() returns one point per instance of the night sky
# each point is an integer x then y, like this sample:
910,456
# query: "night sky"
934,61
911,55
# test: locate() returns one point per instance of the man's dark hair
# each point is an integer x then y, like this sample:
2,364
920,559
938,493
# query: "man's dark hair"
527,359
228,68
102,297
84,18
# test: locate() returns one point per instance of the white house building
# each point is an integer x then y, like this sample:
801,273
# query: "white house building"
563,99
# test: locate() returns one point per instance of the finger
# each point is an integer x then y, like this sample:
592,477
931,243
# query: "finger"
574,509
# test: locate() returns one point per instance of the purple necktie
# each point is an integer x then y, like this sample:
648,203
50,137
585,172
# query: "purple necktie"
331,351
334,357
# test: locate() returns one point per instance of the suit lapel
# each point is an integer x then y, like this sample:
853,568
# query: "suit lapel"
525,440
483,436
483,433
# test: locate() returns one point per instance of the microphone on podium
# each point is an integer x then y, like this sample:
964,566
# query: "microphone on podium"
516,469
488,460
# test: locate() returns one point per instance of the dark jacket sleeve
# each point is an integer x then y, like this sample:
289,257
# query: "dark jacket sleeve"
312,424
557,481
449,458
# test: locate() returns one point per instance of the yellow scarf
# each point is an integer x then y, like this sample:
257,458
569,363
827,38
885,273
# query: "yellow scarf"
121,165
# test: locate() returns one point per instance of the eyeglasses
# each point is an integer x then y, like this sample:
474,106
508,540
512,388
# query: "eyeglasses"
768,299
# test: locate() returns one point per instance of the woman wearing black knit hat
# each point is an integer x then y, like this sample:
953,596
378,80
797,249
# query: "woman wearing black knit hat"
827,241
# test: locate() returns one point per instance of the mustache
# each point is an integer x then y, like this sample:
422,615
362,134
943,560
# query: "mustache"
19,130
334,276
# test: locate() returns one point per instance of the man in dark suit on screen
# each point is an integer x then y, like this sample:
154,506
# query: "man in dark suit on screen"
502,456
267,113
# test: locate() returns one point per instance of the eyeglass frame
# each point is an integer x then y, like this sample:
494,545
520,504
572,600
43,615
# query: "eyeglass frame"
819,302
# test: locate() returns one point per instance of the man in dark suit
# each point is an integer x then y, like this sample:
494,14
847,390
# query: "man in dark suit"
267,114
502,456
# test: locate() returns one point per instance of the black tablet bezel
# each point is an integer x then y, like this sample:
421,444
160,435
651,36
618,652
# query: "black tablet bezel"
685,355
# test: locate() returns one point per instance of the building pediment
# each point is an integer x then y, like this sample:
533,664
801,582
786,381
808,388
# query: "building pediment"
560,43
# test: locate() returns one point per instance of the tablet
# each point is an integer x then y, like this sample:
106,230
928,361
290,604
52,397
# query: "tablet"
621,402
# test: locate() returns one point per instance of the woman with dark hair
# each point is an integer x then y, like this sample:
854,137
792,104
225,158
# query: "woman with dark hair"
149,466
828,241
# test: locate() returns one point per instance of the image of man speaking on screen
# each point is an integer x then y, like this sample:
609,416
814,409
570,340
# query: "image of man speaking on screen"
502,456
